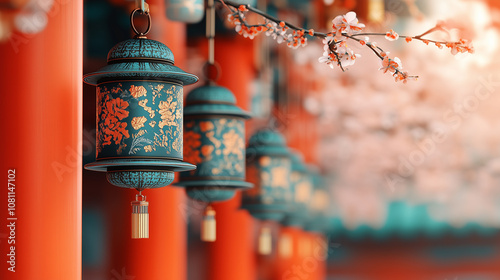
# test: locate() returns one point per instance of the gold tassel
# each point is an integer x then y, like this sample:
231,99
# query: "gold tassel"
265,241
208,225
140,218
285,245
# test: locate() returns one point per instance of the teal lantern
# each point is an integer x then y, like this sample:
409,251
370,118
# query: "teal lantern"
140,119
269,169
301,187
214,140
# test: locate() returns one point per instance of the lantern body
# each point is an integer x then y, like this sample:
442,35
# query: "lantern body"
268,168
214,140
139,119
301,187
139,115
188,11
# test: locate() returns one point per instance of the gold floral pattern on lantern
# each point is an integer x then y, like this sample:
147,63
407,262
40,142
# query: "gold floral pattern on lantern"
303,192
143,103
137,91
221,151
264,161
119,118
233,144
138,122
167,112
270,178
177,145
279,177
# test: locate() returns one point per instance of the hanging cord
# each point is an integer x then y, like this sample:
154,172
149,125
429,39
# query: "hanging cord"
211,69
143,6
210,30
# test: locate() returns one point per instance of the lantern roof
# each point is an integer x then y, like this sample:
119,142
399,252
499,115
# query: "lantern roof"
212,100
267,142
140,58
141,48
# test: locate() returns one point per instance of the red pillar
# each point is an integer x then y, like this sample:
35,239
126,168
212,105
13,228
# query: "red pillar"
41,101
307,258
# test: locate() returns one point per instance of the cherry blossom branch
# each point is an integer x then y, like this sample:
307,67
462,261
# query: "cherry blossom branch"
336,50
231,6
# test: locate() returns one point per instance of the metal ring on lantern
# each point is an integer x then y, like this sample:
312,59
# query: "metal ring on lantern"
140,34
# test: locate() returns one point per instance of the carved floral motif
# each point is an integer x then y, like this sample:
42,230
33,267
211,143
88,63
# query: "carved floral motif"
129,126
216,145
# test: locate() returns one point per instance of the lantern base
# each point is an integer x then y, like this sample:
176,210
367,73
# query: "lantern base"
264,212
293,222
296,219
215,182
142,163
213,191
140,179
209,195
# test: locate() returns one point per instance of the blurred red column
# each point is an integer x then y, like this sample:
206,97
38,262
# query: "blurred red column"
307,257
41,101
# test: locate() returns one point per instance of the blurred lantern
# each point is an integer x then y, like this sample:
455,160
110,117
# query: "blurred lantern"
319,204
301,187
268,168
301,190
139,119
214,140
188,11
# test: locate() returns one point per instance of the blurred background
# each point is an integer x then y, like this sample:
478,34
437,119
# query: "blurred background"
411,172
